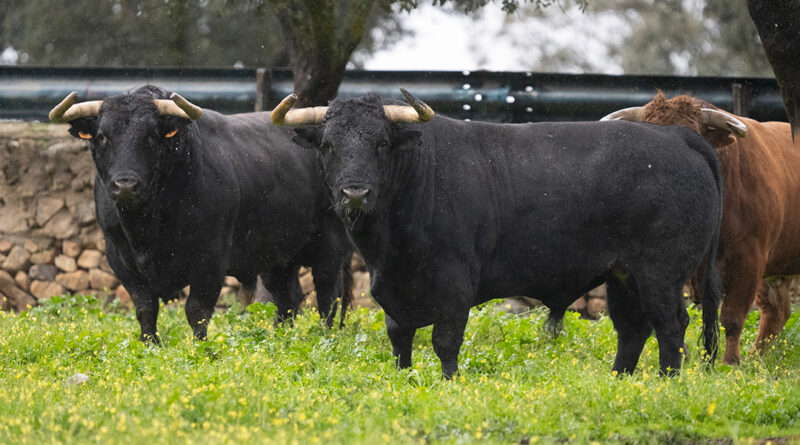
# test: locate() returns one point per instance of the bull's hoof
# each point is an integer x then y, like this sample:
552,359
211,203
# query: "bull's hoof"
150,339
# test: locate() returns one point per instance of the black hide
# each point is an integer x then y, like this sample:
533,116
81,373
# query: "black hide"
222,195
456,213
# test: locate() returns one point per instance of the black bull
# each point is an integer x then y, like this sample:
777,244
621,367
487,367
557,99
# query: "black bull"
449,214
185,202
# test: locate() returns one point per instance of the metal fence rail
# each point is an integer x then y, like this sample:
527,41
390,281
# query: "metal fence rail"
29,93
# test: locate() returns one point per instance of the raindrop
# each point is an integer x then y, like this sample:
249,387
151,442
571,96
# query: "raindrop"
529,88
510,99
478,97
466,86
465,72
466,107
529,109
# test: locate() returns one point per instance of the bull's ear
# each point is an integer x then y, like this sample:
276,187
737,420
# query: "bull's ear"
406,139
84,127
307,137
171,126
718,137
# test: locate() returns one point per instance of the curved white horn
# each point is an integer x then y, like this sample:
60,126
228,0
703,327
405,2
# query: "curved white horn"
633,114
417,112
718,119
284,115
178,106
67,110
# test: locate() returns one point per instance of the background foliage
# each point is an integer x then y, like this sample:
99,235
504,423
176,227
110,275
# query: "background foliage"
711,37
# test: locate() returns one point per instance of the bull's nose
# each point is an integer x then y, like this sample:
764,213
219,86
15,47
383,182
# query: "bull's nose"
355,197
124,188
355,193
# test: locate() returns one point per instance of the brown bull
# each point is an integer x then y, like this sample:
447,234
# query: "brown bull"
760,231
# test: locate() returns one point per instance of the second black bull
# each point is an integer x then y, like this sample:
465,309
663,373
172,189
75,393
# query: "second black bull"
184,199
448,214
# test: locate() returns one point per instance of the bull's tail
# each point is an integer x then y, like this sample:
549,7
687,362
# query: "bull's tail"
710,287
346,279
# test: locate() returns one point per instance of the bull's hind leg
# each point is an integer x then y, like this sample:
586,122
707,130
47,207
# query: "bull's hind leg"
662,301
203,295
329,257
328,285
402,339
742,281
283,284
630,322
775,309
247,293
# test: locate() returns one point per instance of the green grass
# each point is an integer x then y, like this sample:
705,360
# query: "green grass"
253,383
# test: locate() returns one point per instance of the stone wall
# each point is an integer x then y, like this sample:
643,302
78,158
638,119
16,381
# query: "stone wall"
49,239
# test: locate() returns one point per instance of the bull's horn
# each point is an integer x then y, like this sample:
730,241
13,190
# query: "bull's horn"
633,114
284,115
718,119
418,112
67,110
178,106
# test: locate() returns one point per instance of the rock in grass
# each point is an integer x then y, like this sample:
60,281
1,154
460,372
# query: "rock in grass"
78,378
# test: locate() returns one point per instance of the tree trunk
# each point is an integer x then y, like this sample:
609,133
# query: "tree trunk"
320,37
778,24
180,21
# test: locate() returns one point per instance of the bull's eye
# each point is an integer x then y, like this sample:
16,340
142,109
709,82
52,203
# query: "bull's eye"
84,135
171,133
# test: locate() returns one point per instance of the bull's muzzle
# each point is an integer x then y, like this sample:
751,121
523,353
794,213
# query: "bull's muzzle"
125,190
355,197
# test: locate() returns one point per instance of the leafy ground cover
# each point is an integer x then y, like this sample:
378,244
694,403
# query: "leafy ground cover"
255,383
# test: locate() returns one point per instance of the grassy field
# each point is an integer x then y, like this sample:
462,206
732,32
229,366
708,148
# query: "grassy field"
253,383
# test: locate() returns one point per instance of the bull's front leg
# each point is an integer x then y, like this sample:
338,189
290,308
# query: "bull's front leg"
448,335
402,339
146,305
204,291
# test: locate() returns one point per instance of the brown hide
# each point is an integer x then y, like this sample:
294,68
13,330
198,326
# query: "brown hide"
760,230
